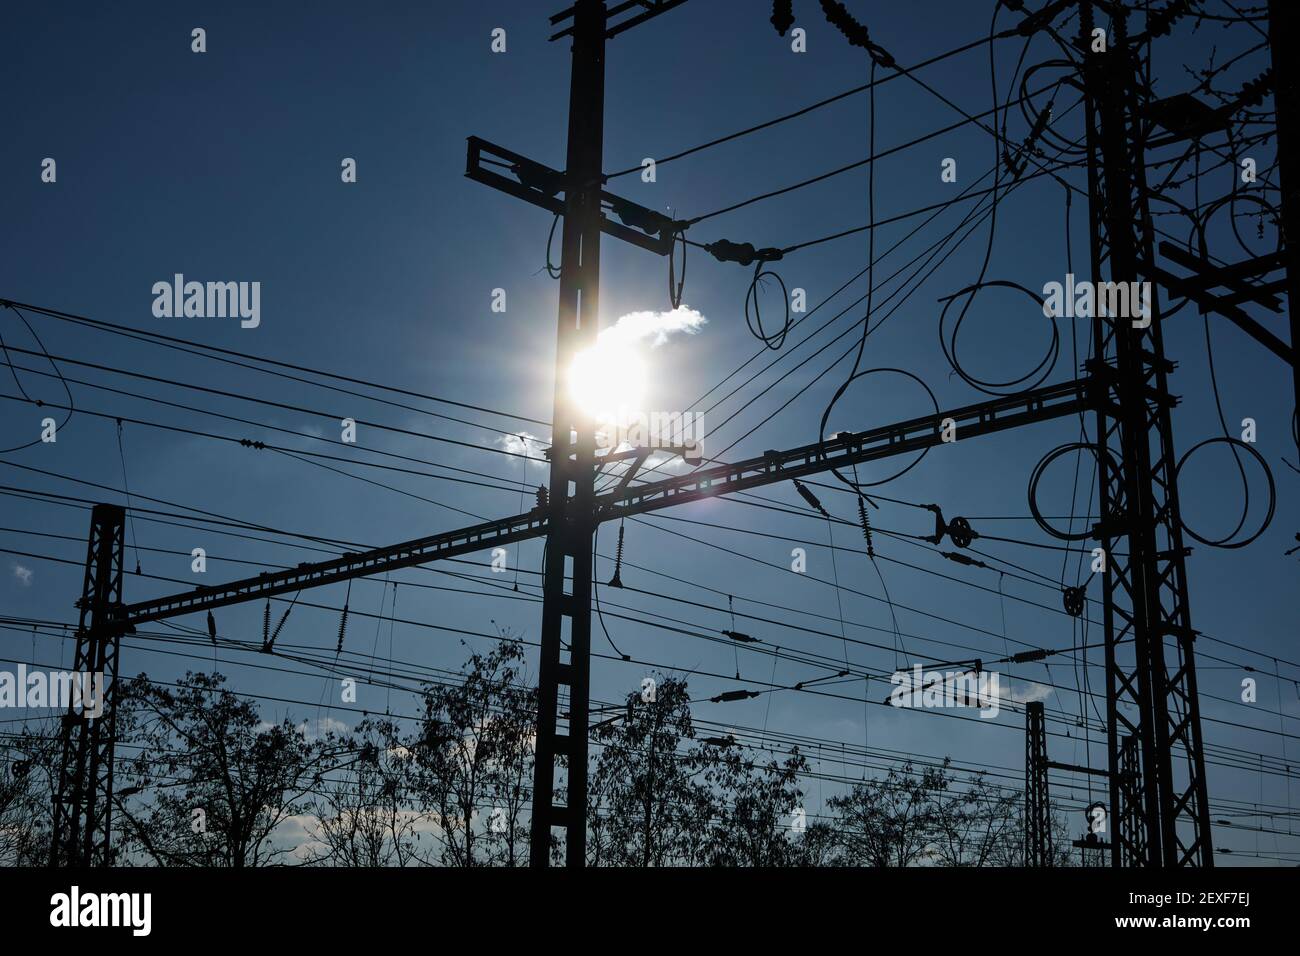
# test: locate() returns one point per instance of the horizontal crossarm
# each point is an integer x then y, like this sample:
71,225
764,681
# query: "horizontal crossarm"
448,544
845,450
848,449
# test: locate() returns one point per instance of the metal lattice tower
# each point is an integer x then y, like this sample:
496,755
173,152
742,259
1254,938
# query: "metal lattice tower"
84,801
1038,812
1150,673
1128,819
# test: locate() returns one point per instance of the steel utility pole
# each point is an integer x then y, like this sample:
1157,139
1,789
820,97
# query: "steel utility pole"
566,615
572,521
1038,812
1145,589
83,802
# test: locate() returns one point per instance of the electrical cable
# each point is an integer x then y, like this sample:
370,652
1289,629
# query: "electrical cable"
772,340
800,112
5,348
126,486
1226,542
948,344
215,353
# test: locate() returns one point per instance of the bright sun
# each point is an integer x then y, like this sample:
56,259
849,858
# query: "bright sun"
608,381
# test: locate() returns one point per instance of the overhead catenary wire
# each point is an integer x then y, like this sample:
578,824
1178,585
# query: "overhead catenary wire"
221,354
767,124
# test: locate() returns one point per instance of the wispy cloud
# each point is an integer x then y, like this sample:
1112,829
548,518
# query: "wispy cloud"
317,728
521,443
23,575
664,460
652,327
1027,693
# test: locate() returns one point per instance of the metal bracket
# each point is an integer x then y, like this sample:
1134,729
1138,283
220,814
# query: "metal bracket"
541,185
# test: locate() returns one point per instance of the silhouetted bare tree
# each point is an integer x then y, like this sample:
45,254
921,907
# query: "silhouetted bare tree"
891,821
27,768
211,781
472,760
366,817
758,819
648,805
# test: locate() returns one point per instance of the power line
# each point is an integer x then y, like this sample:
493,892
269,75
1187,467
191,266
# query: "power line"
204,349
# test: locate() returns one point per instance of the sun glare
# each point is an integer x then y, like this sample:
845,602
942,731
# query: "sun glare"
608,381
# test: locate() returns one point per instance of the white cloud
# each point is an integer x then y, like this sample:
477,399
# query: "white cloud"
24,575
521,443
665,461
1032,691
317,727
654,327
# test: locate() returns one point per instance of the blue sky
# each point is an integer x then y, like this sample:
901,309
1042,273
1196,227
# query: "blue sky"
226,166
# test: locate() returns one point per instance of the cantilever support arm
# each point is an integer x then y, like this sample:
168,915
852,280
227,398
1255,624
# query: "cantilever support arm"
846,449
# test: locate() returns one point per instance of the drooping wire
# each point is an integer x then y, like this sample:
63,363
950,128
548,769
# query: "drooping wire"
676,285
776,657
552,270
392,625
856,484
379,618
771,340
1083,428
595,584
41,345
871,259
12,371
835,576
1079,632
979,283
899,646
1002,606
933,250
803,111
1209,355
866,717
930,266
523,493
1226,542
1281,723
126,487
948,339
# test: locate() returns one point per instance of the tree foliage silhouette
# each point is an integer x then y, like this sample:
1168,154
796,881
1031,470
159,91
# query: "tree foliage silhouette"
210,782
